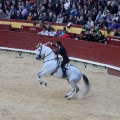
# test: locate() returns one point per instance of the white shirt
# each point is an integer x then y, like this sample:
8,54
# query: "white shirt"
59,20
52,33
46,32
90,23
67,4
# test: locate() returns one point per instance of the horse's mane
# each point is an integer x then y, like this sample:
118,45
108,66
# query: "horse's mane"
48,47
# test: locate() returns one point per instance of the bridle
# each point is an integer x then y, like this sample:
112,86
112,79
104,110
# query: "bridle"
46,55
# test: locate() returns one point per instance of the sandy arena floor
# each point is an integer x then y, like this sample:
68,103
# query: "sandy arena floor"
23,98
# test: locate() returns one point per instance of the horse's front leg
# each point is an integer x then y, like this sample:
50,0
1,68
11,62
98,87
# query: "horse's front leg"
40,74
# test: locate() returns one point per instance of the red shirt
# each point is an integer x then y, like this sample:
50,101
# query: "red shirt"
65,36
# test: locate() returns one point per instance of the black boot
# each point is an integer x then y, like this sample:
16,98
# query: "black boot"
64,73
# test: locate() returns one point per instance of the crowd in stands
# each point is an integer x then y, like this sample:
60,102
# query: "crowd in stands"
89,13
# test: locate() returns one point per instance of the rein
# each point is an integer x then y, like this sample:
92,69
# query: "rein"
47,55
49,60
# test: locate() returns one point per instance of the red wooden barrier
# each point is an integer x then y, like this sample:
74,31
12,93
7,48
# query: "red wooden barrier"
112,40
30,29
108,54
5,27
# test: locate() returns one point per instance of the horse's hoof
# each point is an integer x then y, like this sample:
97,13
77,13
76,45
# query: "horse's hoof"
69,98
40,83
66,96
45,84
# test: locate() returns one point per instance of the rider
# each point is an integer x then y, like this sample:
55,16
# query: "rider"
63,53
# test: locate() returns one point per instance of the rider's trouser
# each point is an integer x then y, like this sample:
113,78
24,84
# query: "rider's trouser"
65,60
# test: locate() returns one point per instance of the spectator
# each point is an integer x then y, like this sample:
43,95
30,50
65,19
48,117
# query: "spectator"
82,34
77,20
50,17
82,21
65,20
29,18
52,32
27,6
19,16
50,7
87,36
118,10
94,36
7,15
59,18
109,17
116,33
88,15
45,18
90,22
24,16
40,16
7,5
63,31
54,18
75,12
12,9
115,17
31,10
71,19
113,8
42,24
65,35
35,17
57,9
14,4
114,24
13,15
103,24
62,10
44,32
67,4
99,16
49,27
100,38
24,12
2,15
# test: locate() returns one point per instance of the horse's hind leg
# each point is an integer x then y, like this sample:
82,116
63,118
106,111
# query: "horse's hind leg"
75,89
68,94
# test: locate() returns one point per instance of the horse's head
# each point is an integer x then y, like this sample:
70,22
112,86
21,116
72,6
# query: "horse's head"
39,51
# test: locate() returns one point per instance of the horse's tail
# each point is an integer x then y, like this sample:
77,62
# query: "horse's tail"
81,95
86,80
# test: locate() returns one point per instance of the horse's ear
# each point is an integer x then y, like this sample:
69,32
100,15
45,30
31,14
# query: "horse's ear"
38,45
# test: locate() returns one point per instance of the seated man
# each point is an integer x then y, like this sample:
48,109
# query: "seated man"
44,32
116,33
87,36
52,32
94,36
100,38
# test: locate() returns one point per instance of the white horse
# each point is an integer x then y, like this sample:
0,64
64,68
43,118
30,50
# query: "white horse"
51,67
